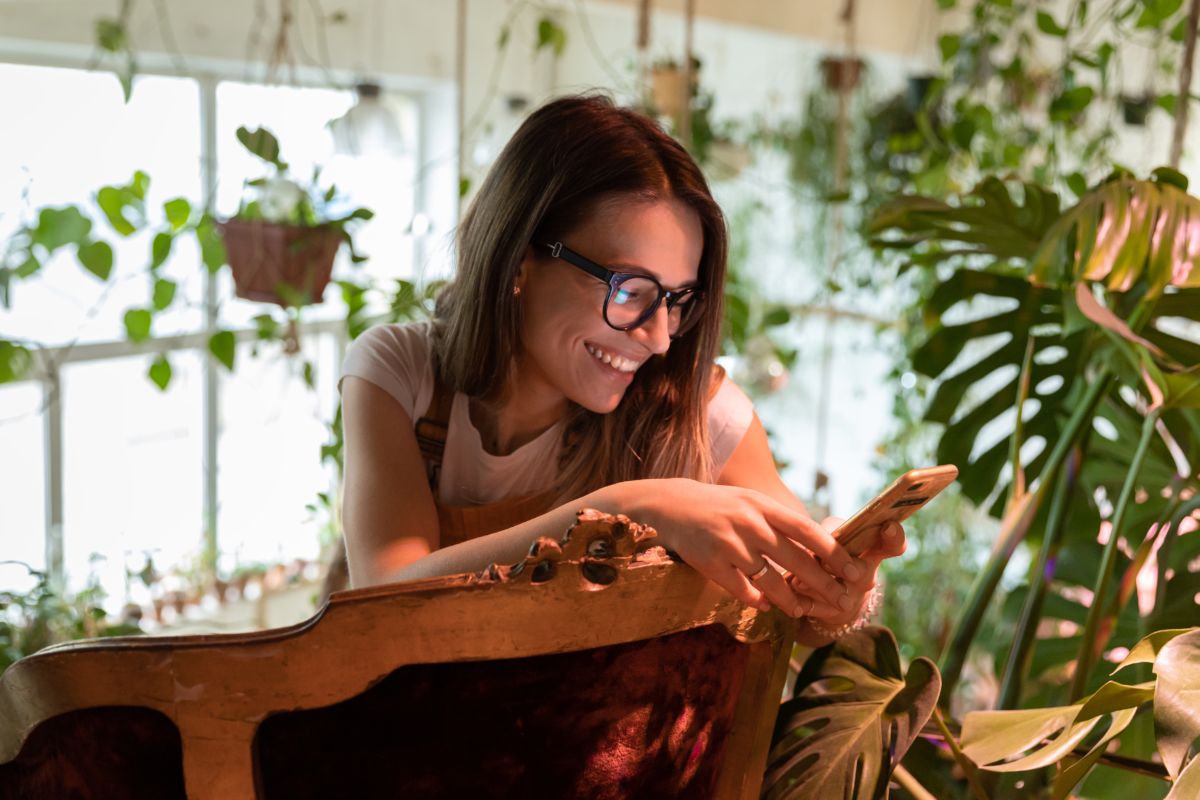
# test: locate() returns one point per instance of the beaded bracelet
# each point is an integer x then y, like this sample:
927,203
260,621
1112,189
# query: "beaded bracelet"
874,601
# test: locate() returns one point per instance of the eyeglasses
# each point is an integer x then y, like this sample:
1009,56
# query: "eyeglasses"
633,297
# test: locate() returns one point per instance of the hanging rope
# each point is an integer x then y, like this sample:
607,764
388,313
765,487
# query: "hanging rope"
1184,101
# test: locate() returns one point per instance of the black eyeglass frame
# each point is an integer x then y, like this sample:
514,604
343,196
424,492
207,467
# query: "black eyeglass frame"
614,281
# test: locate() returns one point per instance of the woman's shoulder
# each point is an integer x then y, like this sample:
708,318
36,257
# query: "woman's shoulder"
395,357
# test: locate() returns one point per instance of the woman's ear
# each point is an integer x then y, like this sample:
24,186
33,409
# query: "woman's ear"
523,270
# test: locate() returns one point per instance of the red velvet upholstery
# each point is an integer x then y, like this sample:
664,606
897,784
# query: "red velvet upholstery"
645,719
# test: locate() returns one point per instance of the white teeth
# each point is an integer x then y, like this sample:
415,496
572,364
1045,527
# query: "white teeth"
616,362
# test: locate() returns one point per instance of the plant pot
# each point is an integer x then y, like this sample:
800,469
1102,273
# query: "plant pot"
288,265
669,90
918,91
841,74
1136,108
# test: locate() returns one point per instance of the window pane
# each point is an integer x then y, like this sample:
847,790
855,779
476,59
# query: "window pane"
133,480
22,483
272,428
75,134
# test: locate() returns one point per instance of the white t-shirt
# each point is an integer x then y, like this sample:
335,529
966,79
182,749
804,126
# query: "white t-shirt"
396,358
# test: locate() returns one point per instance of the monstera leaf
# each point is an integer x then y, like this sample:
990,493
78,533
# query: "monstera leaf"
1040,737
1020,267
852,717
1125,232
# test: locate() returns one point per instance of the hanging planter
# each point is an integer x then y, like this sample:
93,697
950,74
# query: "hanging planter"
281,244
289,265
1135,108
841,74
669,90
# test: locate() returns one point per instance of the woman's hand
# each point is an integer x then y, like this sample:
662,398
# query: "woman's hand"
890,542
728,533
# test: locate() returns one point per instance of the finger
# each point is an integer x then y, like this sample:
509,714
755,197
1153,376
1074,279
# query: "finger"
890,542
776,588
800,562
804,531
826,612
831,524
734,581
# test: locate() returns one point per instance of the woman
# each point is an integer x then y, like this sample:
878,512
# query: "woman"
570,364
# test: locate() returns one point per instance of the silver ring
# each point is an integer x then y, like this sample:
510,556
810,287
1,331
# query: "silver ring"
766,567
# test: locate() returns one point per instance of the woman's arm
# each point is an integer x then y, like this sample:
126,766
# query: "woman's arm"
723,531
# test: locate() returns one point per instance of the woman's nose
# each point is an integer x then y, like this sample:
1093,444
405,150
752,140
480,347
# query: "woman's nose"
654,333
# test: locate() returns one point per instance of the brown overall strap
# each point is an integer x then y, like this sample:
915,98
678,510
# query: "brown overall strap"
431,431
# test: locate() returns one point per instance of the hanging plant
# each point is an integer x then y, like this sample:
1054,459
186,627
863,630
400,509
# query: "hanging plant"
282,242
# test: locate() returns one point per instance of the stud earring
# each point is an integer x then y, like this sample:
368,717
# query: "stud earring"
516,291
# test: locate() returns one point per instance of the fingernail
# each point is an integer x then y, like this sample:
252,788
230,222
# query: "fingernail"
892,530
844,602
798,610
764,605
852,571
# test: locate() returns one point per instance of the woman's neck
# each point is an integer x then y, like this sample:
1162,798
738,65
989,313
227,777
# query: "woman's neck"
526,411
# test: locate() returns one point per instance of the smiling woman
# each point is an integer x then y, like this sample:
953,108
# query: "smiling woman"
551,380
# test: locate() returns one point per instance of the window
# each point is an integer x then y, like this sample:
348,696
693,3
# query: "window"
132,457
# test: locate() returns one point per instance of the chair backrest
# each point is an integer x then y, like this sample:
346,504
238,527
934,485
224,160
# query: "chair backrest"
597,667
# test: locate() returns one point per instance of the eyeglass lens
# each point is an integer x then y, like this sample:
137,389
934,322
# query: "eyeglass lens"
635,299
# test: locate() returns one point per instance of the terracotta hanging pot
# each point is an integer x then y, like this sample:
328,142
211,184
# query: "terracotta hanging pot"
670,90
283,264
841,74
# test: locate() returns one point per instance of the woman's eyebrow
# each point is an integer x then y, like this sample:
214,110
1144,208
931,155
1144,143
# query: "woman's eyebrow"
638,269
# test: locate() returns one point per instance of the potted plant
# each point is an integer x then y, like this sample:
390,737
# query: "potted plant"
841,74
282,242
669,90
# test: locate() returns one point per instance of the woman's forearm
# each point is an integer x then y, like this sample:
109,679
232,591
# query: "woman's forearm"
510,545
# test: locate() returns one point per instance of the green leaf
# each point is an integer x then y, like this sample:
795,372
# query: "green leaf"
1071,102
1046,24
262,143
464,186
96,257
212,247
777,316
61,226
15,361
310,378
110,35
1177,699
1172,177
160,372
1167,102
853,710
948,44
1156,12
137,324
1146,650
160,249
945,5
550,34
223,346
118,202
164,293
28,267
1187,785
177,210
502,40
266,327
1077,184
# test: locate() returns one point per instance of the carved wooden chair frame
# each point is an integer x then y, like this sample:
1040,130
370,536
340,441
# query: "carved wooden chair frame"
216,689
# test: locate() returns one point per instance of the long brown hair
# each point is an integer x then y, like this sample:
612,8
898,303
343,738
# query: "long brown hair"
567,157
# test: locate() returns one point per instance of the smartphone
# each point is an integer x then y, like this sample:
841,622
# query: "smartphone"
898,502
